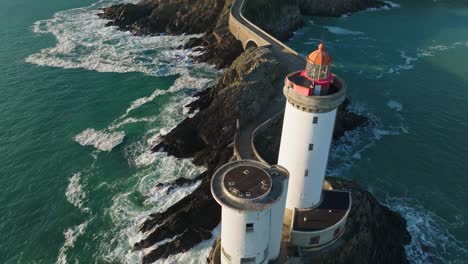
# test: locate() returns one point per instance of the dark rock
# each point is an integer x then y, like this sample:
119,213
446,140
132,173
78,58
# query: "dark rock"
175,17
192,220
244,89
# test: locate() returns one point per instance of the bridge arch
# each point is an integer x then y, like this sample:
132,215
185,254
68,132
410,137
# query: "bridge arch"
250,44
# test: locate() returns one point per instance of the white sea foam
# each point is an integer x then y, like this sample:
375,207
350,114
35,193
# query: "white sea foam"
75,193
131,120
431,242
71,235
407,65
389,6
395,105
127,216
83,41
101,140
185,81
342,31
430,51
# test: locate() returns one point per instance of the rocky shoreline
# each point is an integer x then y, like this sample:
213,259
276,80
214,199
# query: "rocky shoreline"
374,233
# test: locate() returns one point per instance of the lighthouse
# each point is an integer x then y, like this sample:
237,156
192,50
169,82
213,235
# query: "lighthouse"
252,196
316,217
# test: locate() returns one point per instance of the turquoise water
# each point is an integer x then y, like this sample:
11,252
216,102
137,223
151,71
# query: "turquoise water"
81,104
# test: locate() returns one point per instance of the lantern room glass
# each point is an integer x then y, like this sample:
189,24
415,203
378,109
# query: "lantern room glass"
315,71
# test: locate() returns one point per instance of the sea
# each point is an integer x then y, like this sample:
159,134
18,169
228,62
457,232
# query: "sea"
81,104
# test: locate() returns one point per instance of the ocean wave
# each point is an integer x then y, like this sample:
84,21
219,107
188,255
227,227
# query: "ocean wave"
395,105
83,41
407,65
342,31
349,148
430,51
128,216
71,235
431,242
101,140
75,193
389,5
185,81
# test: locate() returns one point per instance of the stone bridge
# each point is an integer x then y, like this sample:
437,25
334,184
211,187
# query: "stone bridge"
251,35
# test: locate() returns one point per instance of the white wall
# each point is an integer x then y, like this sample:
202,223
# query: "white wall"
276,229
237,242
298,133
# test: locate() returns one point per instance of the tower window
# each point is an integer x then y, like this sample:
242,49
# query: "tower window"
306,173
311,147
315,120
314,240
249,227
337,232
251,260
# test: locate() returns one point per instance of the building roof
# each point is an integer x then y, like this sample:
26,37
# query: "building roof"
335,206
320,56
247,185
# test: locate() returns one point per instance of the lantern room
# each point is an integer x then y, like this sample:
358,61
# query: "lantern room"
318,64
316,79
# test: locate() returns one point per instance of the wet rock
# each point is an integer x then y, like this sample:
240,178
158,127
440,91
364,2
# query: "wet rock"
174,17
246,87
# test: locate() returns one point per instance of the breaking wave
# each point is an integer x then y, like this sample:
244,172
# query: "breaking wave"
127,216
101,140
83,41
342,31
71,235
395,105
75,193
430,242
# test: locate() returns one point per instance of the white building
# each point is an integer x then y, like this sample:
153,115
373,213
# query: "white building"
313,96
252,196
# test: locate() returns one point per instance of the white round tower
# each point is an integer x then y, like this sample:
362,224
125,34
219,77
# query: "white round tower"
312,96
249,193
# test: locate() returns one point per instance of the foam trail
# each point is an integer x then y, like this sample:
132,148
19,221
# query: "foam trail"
75,193
430,243
342,31
185,81
101,140
127,217
71,235
395,105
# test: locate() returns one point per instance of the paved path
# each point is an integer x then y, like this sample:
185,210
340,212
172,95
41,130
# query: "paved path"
289,60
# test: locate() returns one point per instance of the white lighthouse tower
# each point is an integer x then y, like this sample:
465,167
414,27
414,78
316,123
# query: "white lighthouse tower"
252,200
313,96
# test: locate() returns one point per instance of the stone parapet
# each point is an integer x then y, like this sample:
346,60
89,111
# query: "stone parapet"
316,104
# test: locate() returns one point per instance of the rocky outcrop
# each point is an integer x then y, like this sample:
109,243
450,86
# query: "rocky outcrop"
282,18
245,88
175,17
373,233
